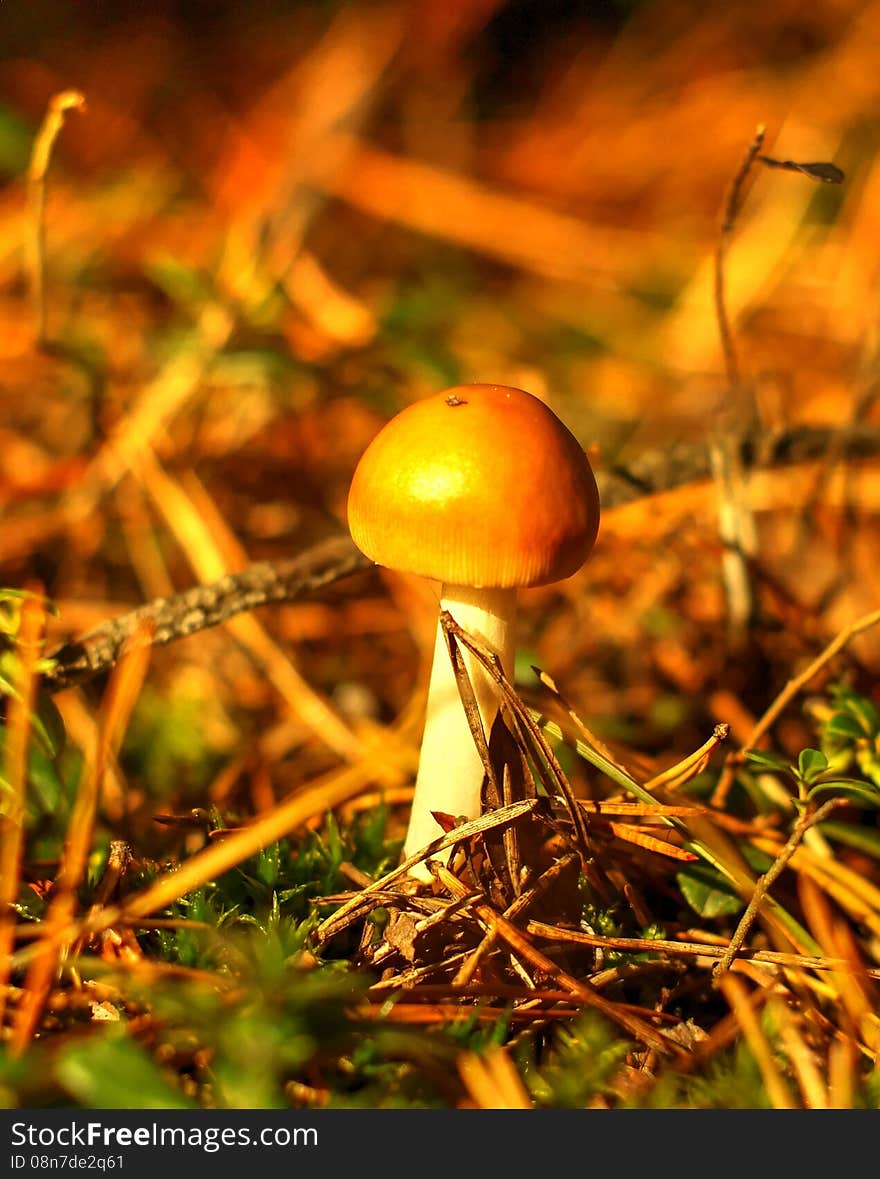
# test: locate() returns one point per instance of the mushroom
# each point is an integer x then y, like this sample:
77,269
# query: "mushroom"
483,489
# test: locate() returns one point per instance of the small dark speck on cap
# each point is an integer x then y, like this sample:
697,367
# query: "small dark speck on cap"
453,400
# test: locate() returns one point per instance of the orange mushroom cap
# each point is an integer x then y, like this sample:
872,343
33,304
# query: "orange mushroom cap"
481,485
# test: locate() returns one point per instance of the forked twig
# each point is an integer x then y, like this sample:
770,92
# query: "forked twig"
731,211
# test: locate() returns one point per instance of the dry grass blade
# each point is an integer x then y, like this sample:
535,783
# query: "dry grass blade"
457,1013
853,891
703,836
469,968
14,778
122,692
587,733
803,1062
456,208
660,847
81,726
209,545
164,397
737,996
67,100
471,710
526,726
682,772
524,950
795,685
842,1056
858,994
639,810
363,901
492,1080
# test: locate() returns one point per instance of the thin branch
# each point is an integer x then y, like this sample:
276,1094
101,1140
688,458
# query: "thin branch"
206,605
641,945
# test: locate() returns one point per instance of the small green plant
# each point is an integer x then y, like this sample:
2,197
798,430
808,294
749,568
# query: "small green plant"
580,1065
816,778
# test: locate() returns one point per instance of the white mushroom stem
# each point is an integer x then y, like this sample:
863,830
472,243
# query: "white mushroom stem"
450,773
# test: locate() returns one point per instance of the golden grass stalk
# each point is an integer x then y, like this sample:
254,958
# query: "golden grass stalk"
842,1056
209,545
736,994
803,1063
41,155
795,685
858,994
122,693
15,761
492,1081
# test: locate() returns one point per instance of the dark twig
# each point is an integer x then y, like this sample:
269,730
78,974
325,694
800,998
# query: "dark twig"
207,605
827,173
731,210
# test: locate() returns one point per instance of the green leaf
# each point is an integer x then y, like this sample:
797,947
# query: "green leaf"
48,726
768,761
811,763
183,283
847,788
866,712
45,787
843,725
759,861
708,892
15,142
